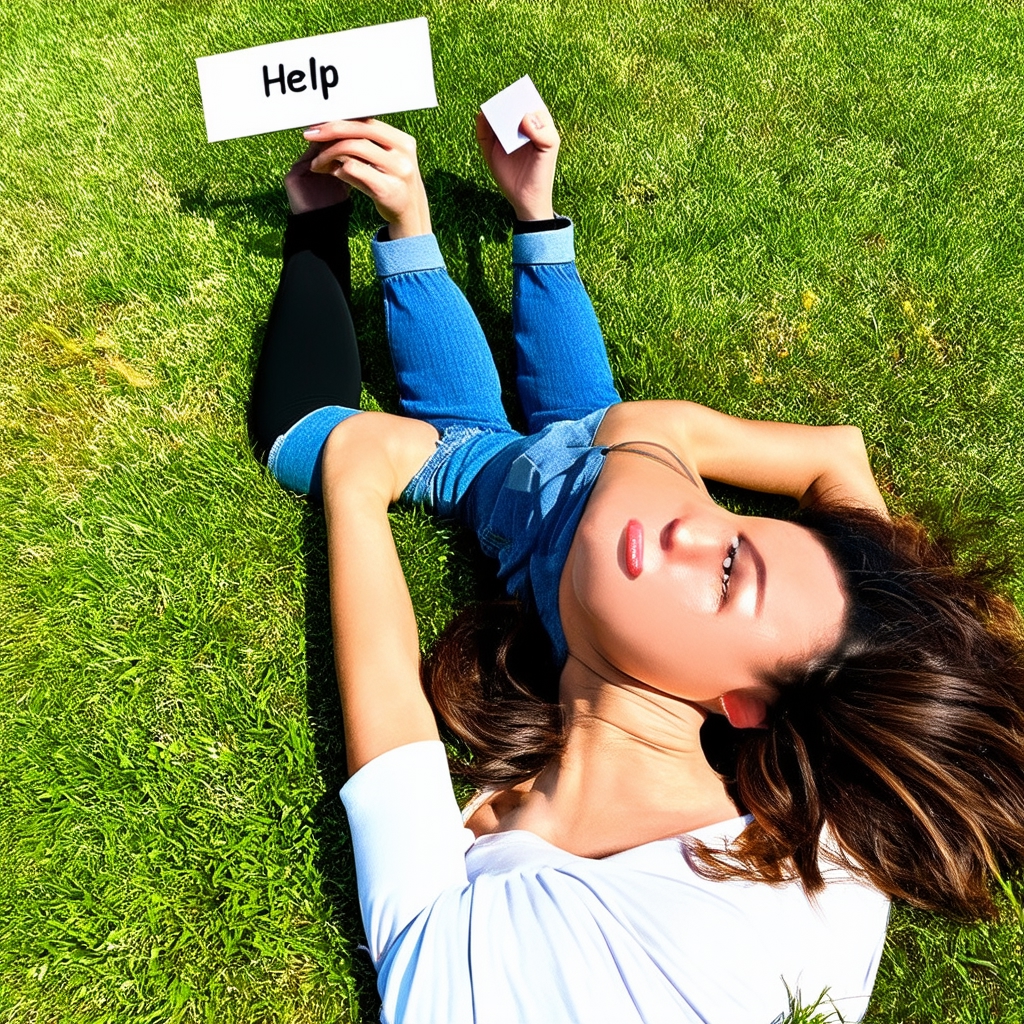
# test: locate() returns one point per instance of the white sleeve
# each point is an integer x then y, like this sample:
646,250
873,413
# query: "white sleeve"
407,833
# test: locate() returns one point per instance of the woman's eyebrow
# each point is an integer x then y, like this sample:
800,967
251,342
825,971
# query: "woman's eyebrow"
760,572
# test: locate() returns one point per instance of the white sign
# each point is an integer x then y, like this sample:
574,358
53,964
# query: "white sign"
505,112
359,73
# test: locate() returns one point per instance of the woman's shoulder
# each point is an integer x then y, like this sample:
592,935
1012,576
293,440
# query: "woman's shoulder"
657,420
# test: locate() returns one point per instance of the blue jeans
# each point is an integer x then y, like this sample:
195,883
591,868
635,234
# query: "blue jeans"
444,368
522,494
442,362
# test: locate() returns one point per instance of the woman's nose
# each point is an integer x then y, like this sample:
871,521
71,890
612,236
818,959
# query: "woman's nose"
694,538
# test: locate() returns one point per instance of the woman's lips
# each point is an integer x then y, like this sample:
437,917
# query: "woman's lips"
634,548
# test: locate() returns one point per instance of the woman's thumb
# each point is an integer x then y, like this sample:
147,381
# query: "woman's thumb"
540,129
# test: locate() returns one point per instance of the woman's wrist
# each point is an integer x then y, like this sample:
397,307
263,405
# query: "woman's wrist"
417,223
414,219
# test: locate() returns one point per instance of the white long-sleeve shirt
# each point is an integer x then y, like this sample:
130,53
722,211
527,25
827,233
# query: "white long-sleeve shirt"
508,929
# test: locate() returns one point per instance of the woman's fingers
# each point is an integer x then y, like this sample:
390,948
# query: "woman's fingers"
364,177
401,201
361,149
370,128
381,161
538,126
307,158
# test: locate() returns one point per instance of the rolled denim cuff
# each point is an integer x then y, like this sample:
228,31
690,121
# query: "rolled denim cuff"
406,255
544,246
295,457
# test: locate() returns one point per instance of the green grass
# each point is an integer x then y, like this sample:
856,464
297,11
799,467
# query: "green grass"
796,210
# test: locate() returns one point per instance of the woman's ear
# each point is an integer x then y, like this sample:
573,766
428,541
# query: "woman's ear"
745,710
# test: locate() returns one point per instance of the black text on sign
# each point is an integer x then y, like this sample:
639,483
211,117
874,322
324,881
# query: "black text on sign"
296,81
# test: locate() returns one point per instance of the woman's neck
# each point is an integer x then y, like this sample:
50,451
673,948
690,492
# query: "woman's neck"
632,771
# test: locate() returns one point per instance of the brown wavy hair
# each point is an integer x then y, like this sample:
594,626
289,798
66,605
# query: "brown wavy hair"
905,743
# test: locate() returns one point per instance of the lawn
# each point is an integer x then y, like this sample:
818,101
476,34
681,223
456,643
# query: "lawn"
784,209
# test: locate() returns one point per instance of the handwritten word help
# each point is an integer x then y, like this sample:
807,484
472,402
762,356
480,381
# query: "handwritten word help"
376,69
296,80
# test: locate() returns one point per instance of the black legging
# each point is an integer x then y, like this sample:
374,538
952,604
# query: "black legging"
310,356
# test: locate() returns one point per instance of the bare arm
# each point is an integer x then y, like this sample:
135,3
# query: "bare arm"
806,463
803,462
368,461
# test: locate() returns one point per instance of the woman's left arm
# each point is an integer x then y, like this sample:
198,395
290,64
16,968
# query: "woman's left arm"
803,462
368,461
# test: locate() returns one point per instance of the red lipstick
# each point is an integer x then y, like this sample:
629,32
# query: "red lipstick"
634,548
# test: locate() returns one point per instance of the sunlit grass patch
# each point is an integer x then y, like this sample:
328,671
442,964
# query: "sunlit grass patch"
783,209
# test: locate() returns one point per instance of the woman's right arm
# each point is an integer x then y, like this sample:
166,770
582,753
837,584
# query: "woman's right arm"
407,834
368,461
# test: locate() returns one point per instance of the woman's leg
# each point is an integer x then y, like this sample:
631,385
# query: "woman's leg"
563,370
307,377
445,371
445,374
310,357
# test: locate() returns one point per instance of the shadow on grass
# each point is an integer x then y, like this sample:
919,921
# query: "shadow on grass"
257,222
465,217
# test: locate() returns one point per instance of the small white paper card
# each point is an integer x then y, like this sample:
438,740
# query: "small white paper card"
505,112
362,72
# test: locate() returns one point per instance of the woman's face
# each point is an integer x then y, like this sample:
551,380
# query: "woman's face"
677,592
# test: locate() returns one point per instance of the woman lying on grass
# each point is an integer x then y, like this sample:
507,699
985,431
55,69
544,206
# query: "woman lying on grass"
608,872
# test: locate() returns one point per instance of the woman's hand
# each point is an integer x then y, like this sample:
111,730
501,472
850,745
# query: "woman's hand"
527,176
308,191
381,161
